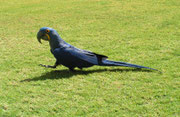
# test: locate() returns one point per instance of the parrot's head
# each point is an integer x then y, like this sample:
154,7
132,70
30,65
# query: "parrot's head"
49,34
45,33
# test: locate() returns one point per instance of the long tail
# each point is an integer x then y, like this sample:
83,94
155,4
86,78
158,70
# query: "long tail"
118,63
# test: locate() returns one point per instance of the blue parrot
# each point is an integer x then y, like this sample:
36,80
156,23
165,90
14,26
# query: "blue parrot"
73,57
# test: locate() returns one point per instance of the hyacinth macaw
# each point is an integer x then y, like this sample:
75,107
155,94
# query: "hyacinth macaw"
73,57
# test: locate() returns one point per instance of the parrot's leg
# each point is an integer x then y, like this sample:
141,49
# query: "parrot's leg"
80,68
71,69
49,66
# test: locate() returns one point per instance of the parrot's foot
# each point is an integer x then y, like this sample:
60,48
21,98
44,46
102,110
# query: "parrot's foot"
47,66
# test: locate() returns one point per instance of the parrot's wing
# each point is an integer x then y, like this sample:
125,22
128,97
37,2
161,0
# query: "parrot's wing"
89,53
75,54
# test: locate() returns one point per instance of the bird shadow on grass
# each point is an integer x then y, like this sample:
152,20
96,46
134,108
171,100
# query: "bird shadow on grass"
65,74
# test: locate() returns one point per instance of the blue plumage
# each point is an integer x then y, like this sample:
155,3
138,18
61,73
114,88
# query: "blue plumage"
73,57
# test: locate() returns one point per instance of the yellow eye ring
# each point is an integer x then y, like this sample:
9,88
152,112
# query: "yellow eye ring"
47,31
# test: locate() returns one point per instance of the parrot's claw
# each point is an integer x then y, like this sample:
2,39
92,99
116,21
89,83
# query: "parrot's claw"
47,66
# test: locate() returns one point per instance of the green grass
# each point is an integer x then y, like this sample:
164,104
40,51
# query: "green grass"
144,32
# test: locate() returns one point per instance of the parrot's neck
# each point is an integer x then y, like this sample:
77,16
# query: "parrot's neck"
56,41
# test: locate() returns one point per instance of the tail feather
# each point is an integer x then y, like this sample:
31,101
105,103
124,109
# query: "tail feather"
119,63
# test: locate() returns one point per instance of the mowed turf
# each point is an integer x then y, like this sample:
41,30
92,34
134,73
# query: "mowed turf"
143,32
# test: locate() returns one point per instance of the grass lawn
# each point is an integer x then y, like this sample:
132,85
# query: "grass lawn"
144,32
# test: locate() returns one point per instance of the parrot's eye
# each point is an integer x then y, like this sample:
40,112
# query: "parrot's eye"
47,31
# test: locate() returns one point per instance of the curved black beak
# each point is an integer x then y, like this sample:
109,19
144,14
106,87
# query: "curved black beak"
39,36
